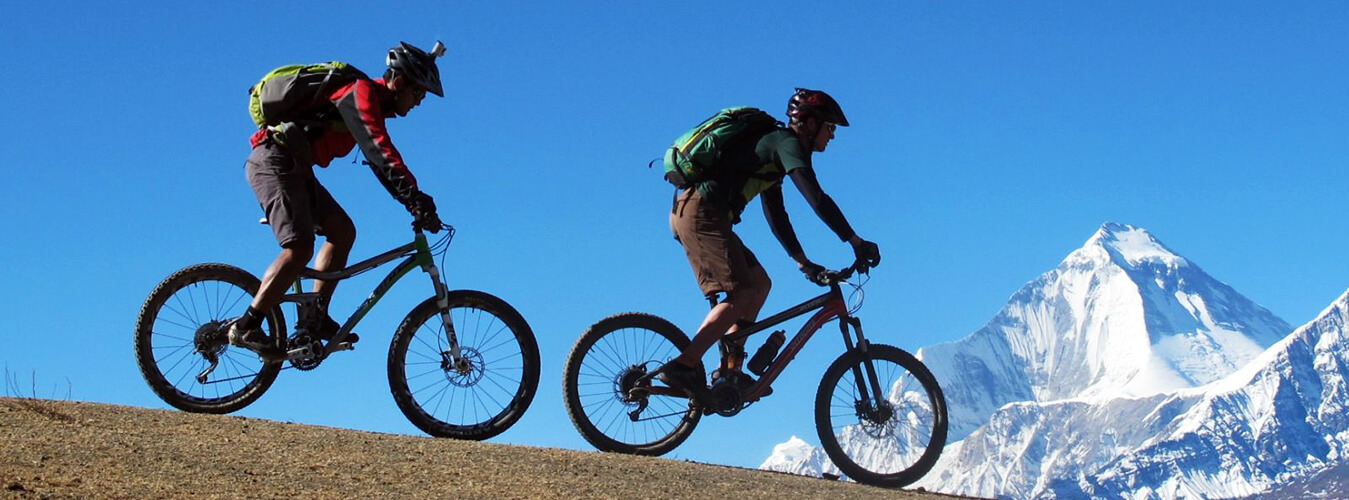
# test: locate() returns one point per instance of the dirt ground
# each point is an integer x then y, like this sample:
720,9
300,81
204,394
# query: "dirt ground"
62,449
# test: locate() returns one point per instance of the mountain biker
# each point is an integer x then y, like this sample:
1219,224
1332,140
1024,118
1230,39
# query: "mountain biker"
298,206
703,216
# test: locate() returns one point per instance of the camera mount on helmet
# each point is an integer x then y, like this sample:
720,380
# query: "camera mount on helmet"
417,65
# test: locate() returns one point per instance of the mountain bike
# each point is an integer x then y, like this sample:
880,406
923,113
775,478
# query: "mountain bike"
879,412
462,364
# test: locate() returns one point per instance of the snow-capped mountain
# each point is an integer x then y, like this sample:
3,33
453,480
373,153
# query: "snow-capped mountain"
796,456
1277,426
1328,484
1097,353
1123,315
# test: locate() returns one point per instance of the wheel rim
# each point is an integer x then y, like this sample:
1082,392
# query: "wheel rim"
887,438
485,388
609,368
186,332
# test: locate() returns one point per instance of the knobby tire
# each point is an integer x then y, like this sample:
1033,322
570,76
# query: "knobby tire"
477,405
591,386
891,453
167,340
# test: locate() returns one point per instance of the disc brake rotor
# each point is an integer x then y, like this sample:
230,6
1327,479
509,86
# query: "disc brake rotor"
877,422
468,372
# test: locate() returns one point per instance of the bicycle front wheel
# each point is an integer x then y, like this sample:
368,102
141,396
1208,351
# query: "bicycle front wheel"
488,390
891,442
180,333
607,362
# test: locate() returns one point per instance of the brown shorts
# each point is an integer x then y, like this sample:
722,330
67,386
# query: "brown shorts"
292,198
719,259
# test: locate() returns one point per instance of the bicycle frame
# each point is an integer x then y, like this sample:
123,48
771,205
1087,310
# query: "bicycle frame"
830,305
415,254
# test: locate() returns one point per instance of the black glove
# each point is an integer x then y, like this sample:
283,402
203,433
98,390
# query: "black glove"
423,209
815,273
868,253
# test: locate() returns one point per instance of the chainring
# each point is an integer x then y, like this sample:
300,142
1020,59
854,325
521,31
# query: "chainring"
727,398
305,364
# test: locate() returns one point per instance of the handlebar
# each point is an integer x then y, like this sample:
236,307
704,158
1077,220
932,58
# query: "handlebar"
831,278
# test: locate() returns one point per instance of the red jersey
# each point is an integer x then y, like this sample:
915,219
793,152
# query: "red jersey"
363,105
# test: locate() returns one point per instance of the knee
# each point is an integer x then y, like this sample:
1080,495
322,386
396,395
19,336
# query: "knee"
297,253
762,285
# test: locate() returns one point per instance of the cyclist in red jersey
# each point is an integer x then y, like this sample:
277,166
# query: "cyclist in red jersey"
280,171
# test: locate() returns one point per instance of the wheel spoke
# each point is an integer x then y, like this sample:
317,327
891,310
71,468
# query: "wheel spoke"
168,338
605,362
474,403
889,443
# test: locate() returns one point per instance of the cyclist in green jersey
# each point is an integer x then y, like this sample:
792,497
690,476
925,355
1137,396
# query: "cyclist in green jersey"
703,216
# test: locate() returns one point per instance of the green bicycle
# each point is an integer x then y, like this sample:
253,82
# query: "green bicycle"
463,364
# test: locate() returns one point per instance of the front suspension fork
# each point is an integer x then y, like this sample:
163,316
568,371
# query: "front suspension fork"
453,357
869,388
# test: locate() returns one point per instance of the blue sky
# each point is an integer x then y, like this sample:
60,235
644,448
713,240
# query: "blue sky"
988,140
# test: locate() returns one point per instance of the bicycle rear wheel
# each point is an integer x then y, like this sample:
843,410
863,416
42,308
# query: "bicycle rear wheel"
890,444
484,397
605,364
181,327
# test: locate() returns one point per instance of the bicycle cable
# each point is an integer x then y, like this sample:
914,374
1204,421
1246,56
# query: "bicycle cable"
442,246
856,297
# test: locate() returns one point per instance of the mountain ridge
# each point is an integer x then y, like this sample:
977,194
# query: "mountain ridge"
1093,360
1121,314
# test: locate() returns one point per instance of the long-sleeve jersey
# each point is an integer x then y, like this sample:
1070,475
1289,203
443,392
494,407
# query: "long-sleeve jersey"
361,108
757,167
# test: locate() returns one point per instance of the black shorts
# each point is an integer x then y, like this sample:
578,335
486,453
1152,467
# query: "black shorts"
290,195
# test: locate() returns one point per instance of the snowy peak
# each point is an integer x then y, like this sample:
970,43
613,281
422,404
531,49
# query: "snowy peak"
1131,247
1276,428
793,450
1122,315
798,457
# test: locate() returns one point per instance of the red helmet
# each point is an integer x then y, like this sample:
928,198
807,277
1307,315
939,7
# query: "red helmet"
806,103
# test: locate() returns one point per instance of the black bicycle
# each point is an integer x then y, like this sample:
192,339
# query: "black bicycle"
463,364
880,414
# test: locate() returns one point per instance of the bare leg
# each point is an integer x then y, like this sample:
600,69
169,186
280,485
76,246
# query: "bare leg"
341,235
741,304
282,273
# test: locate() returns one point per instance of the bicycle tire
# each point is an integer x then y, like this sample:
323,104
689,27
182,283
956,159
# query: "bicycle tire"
480,321
599,361
882,453
176,322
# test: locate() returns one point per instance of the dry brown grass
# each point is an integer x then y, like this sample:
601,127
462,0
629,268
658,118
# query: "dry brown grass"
51,449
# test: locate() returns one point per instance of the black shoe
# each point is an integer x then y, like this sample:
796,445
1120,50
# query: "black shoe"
255,340
329,330
684,378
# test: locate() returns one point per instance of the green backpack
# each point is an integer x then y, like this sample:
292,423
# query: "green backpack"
693,157
288,93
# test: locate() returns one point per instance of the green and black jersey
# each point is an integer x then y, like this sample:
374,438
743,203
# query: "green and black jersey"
755,167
